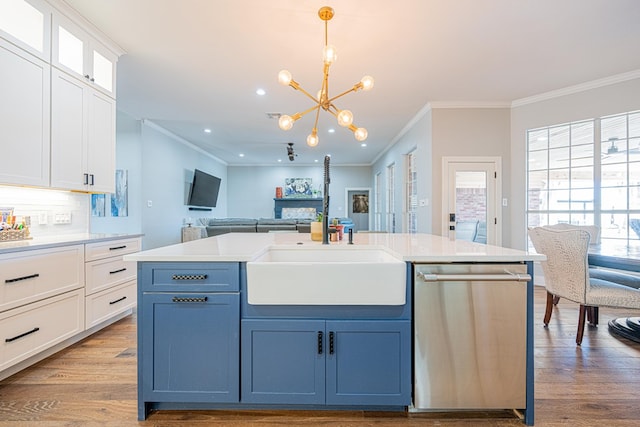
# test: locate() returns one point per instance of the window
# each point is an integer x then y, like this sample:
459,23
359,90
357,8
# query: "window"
391,199
568,182
412,194
377,213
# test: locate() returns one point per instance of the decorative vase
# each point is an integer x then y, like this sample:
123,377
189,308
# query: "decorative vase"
316,231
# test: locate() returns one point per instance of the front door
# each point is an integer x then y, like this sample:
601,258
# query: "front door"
471,190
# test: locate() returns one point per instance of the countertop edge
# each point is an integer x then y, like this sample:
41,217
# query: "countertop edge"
60,241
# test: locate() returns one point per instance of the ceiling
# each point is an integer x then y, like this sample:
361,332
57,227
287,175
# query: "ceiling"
196,64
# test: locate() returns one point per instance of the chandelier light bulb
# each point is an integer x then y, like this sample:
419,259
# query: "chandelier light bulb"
329,54
345,118
284,77
361,134
367,83
312,139
285,122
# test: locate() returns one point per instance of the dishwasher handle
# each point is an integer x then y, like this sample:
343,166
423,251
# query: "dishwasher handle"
477,277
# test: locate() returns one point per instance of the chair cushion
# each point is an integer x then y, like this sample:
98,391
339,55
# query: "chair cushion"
603,293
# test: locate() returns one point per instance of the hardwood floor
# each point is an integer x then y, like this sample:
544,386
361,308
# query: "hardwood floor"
94,383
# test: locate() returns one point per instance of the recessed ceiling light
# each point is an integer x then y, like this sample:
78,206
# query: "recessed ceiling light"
316,160
279,160
364,144
260,92
241,154
207,130
331,130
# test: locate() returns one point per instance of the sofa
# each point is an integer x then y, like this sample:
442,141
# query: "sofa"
217,226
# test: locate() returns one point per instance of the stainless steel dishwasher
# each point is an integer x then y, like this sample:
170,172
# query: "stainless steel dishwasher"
470,334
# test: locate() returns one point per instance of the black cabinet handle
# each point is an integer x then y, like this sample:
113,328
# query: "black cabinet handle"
332,345
17,279
115,248
17,337
118,271
92,179
320,342
86,76
117,301
86,179
189,277
190,299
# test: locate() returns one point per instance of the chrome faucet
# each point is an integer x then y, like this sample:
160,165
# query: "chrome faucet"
325,203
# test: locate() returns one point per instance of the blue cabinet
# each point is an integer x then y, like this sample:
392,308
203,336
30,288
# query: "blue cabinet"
326,362
189,339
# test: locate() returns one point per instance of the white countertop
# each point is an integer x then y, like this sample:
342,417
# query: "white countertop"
406,247
59,240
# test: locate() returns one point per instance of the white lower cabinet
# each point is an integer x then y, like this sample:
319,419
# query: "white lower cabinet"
110,287
102,306
30,329
51,298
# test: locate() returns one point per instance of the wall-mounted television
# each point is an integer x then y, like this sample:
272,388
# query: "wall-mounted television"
204,190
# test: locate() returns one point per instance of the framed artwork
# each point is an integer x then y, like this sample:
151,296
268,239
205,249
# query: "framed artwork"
297,187
119,200
360,203
98,204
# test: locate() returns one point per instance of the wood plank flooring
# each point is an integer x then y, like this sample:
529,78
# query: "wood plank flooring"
93,383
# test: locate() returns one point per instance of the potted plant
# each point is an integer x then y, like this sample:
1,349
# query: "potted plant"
316,228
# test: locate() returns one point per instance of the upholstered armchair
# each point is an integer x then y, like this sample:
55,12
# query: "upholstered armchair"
566,274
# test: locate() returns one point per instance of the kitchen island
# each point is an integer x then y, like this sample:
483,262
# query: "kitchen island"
203,343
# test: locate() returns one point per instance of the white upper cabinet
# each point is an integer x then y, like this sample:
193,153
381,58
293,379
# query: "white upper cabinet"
24,117
27,24
82,136
78,53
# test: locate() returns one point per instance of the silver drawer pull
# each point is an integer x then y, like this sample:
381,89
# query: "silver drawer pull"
17,337
118,271
117,301
190,299
189,277
17,279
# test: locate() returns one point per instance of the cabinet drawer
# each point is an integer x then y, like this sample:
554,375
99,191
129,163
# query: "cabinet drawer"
106,304
106,273
34,275
100,250
31,329
190,276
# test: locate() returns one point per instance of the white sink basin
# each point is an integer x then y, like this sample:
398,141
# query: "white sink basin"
326,275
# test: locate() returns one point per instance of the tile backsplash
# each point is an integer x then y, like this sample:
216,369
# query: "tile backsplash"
52,212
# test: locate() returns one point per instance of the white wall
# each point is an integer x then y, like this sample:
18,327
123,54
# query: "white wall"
167,171
586,104
252,189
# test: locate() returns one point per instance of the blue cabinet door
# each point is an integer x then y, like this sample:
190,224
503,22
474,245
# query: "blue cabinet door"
283,361
190,347
368,362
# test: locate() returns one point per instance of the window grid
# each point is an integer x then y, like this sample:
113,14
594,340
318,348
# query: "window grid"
391,199
587,172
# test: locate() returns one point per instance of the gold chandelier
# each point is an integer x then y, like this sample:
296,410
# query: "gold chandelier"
322,99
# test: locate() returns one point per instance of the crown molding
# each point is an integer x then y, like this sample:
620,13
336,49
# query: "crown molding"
468,104
181,140
594,84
